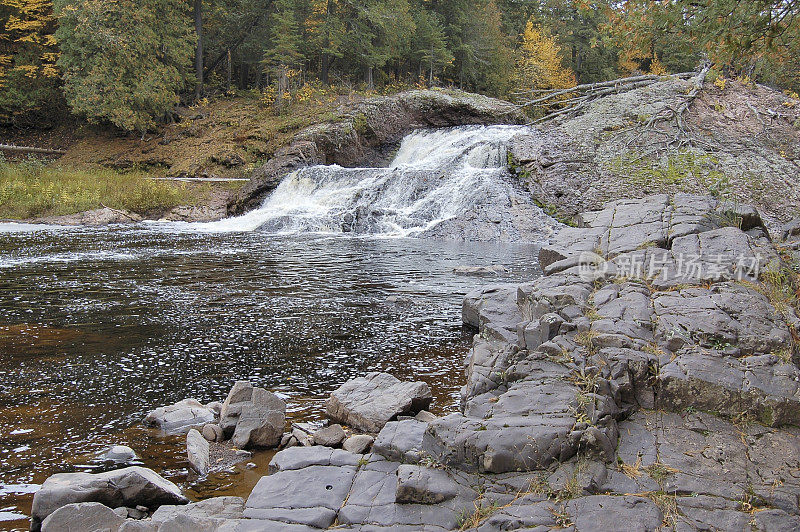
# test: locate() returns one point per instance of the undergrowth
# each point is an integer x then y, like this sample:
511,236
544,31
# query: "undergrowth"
32,188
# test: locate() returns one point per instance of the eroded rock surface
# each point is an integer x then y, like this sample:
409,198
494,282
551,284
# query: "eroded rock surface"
648,378
625,146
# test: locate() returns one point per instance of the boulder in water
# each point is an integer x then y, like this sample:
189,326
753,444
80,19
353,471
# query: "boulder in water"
261,420
120,454
181,416
130,486
368,403
197,451
241,393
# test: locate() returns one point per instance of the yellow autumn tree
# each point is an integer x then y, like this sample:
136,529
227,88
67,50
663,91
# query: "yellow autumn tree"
539,64
28,55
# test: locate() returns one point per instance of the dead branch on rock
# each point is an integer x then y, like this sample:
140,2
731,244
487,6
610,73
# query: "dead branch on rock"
576,98
678,133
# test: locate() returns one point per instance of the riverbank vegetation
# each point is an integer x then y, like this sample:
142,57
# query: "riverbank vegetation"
130,63
31,189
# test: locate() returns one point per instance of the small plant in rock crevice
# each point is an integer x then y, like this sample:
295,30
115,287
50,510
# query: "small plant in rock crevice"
562,517
587,340
668,504
631,471
659,471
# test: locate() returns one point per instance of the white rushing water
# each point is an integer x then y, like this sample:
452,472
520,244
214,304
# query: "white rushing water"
446,183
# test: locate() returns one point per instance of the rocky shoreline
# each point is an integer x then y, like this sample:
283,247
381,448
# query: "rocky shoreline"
650,377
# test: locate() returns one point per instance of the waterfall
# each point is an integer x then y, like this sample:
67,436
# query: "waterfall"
449,183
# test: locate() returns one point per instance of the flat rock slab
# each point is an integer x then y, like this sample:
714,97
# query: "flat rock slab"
216,507
601,512
368,403
422,485
372,502
130,487
401,440
300,457
311,495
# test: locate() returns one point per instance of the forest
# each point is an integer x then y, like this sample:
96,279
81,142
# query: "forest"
130,62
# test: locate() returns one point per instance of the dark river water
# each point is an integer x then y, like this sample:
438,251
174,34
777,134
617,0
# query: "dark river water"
99,326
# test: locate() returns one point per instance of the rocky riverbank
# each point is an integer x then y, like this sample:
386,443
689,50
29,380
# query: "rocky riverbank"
649,377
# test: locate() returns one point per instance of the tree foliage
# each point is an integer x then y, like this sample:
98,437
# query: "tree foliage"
29,77
124,60
539,62
127,61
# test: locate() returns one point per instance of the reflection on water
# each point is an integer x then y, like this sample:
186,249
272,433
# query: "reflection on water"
99,326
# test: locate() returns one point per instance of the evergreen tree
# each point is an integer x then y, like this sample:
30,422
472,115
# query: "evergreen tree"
325,31
124,60
483,55
578,28
284,52
29,77
430,43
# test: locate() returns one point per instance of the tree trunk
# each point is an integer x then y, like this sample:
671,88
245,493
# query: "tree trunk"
369,79
230,71
198,55
430,80
326,63
283,87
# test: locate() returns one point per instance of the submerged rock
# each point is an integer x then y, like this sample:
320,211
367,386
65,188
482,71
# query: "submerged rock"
120,454
130,486
480,270
181,416
368,403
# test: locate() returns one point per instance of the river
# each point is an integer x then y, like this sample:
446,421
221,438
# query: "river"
98,326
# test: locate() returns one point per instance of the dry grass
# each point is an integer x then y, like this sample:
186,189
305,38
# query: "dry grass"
32,189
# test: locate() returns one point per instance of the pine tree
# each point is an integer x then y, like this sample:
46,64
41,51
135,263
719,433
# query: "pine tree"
124,61
28,53
326,34
284,52
539,63
430,43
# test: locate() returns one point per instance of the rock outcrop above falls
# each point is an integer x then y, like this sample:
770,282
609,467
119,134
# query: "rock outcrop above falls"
362,135
649,378
736,140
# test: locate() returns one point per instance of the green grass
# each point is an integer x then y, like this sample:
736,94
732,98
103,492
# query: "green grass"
32,189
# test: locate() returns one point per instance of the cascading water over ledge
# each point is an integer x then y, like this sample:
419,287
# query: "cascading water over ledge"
450,183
